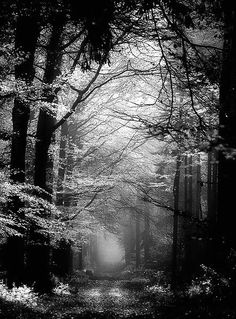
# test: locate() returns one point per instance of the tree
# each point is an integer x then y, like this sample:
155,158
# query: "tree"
25,48
46,119
176,191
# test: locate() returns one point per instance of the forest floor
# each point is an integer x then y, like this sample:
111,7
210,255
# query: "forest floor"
96,299
108,297
105,299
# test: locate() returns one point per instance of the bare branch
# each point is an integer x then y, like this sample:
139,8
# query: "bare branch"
86,206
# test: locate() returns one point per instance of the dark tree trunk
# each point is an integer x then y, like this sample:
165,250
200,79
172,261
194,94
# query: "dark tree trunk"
212,187
40,267
80,257
210,212
129,239
62,259
137,240
188,253
43,160
15,261
146,239
197,208
227,123
186,185
212,197
27,33
190,185
176,222
38,263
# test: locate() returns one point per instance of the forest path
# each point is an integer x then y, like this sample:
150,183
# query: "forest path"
105,299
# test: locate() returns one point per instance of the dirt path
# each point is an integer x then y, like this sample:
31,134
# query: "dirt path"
105,299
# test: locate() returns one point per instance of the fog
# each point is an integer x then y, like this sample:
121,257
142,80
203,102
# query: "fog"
109,248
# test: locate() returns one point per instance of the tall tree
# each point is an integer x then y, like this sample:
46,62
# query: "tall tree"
26,35
39,254
47,116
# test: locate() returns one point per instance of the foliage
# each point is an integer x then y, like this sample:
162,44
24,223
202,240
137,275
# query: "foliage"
37,212
210,283
61,289
23,295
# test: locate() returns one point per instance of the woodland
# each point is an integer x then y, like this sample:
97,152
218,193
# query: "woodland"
117,166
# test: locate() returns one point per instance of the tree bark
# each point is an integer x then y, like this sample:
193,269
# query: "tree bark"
146,239
43,177
64,199
176,222
43,160
212,187
62,164
26,36
137,233
186,185
197,207
215,185
27,33
190,181
210,212
129,240
189,214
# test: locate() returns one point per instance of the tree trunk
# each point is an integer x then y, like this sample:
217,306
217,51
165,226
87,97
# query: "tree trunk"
190,183
64,197
43,160
138,259
43,177
62,164
187,221
176,222
197,208
227,132
215,185
146,239
212,186
129,240
210,212
186,185
27,33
